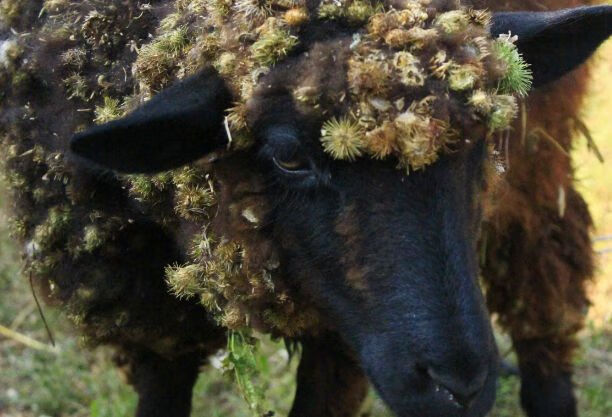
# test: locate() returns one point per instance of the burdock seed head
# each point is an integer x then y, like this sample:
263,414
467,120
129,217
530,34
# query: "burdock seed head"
518,76
342,138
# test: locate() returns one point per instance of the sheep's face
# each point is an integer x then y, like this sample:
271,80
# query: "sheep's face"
376,215
389,259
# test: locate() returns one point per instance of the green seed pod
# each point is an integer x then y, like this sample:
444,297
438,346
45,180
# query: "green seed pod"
505,110
53,228
369,74
209,300
220,8
463,77
76,87
233,318
452,22
226,63
342,138
517,78
382,141
296,16
272,46
331,11
18,228
480,17
253,9
359,11
10,50
481,101
158,60
74,59
192,202
184,281
93,238
110,110
408,67
202,246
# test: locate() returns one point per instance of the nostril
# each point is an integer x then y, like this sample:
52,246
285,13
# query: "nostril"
461,391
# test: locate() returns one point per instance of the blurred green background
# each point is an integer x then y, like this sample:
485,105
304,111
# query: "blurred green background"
76,382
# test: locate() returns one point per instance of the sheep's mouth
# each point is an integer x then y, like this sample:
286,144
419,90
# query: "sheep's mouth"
447,395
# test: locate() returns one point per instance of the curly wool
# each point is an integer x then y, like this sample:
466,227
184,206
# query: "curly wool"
90,243
412,80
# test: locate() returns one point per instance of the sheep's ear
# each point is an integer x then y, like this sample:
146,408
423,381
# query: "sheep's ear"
554,43
177,126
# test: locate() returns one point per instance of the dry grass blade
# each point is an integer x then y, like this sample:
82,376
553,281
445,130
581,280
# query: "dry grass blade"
538,133
40,311
592,146
25,340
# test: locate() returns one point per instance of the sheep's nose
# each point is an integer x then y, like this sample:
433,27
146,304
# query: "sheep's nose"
460,390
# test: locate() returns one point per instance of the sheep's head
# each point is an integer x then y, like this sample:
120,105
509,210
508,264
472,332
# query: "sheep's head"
348,154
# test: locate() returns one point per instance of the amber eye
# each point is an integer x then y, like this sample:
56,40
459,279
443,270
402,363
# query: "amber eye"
292,165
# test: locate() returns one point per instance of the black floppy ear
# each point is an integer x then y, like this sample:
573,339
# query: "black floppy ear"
177,126
554,43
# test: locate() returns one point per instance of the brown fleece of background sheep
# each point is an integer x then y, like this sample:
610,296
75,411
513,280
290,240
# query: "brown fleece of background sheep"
538,261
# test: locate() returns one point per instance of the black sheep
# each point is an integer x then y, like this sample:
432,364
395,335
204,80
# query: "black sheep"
286,229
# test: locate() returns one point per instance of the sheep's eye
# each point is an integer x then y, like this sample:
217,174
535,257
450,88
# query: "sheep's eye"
293,165
290,160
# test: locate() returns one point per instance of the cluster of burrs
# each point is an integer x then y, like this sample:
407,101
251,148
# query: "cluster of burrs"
414,79
414,74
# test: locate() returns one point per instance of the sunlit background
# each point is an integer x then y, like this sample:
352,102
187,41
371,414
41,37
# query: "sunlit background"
73,381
